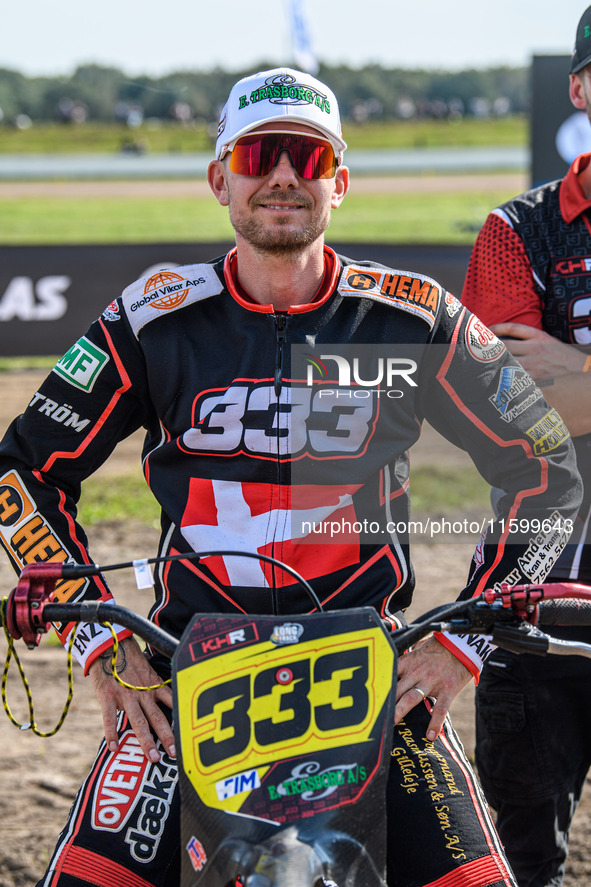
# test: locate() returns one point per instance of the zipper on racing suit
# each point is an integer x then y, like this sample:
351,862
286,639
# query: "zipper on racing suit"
281,336
281,321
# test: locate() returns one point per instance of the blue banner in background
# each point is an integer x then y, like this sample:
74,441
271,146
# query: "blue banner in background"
304,57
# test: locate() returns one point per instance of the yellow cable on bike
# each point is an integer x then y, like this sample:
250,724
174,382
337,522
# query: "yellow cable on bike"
10,654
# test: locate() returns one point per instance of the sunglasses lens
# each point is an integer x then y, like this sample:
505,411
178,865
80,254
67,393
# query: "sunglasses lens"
316,161
253,156
256,155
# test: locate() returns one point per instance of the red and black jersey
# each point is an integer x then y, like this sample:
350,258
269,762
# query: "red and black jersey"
531,264
285,434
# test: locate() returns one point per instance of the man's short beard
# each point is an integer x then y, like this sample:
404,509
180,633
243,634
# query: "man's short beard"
280,241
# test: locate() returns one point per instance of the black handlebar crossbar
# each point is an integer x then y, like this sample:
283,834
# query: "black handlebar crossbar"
99,611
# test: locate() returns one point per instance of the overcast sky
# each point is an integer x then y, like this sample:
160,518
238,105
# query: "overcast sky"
155,38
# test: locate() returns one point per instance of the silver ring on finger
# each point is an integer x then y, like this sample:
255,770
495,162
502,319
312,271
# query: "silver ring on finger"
422,692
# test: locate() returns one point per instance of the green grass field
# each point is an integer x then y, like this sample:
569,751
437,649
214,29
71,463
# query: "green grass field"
168,137
421,216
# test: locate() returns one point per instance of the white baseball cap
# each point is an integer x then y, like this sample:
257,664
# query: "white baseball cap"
276,96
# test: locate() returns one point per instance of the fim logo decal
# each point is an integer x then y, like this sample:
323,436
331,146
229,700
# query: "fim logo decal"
289,633
237,785
82,364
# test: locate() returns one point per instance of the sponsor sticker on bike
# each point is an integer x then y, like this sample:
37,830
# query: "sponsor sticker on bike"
246,711
197,854
289,633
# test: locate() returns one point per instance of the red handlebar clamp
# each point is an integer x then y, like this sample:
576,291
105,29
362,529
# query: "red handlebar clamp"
24,607
524,599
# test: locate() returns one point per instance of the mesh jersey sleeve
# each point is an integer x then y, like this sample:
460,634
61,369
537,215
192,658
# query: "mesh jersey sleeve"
499,285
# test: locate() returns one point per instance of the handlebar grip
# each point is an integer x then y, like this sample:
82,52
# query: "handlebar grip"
571,611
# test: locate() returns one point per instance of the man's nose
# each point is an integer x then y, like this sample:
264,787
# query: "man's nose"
283,173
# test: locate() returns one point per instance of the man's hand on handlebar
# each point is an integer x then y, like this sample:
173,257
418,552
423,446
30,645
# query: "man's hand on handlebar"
429,669
141,707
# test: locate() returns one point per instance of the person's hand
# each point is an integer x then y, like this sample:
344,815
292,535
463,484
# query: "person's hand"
141,707
542,355
438,673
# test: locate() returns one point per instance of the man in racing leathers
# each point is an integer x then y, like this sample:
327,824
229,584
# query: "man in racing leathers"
247,374
530,276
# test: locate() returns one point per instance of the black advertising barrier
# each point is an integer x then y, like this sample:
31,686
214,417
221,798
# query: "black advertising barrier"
49,295
551,107
558,132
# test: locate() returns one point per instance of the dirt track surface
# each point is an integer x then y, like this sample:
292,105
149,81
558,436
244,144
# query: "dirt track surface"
38,777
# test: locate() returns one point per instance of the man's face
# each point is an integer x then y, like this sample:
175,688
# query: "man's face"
580,90
280,213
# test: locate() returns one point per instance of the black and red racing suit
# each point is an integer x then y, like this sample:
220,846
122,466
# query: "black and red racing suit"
260,428
207,372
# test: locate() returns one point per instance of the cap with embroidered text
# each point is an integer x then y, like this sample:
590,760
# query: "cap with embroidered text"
582,51
279,96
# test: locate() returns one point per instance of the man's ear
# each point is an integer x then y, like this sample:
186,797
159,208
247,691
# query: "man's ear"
577,92
216,176
341,186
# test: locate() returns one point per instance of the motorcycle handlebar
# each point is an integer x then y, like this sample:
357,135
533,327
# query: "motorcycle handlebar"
564,612
99,611
509,614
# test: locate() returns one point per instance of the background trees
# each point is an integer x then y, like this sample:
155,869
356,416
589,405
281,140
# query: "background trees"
97,93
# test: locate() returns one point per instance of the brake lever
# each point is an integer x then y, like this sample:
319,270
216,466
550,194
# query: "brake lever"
522,638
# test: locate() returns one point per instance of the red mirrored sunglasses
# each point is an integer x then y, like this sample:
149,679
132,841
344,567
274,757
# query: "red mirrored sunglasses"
257,153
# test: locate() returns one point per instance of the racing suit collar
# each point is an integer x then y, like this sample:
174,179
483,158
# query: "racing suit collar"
572,198
323,293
